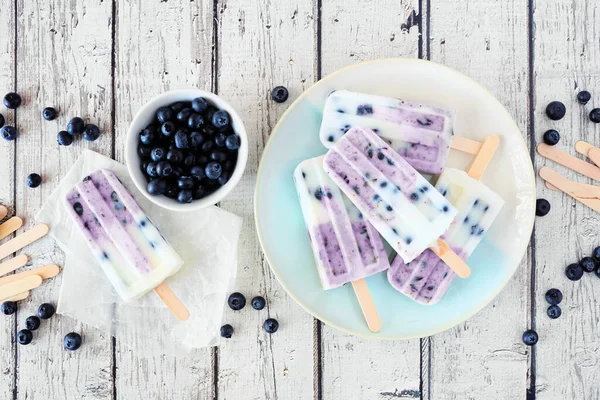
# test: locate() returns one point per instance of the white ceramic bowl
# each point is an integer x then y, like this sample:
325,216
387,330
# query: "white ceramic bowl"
146,114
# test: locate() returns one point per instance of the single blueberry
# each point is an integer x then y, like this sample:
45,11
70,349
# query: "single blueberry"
172,190
551,137
583,97
595,115
8,307
220,119
72,341
271,325
189,160
164,114
157,186
178,106
78,208
8,132
32,323
207,146
152,170
175,156
366,109
167,129
542,207
218,156
200,192
177,171
220,140
530,337
195,121
588,264
213,170
199,104
554,311
574,272
2,120
226,331
185,182
280,94
24,336
34,180
49,113
555,110
208,130
45,311
184,115
554,296
157,154
258,303
236,301
144,151
197,172
184,196
181,139
75,126
223,179
596,254
91,132
147,136
232,142
12,100
196,139
598,272
210,111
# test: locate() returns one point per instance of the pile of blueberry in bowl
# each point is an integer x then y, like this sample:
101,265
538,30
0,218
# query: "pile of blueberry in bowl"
186,149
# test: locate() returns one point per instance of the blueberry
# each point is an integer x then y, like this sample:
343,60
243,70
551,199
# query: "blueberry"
595,115
175,156
32,323
75,126
34,180
49,113
280,94
189,160
2,120
167,129
197,172
144,151
223,179
208,130
8,307
151,170
91,132
184,115
210,111
554,296
271,325
64,139
72,341
45,311
164,114
583,97
201,159
218,156
8,132
555,110
551,137
200,192
213,170
185,196
588,264
542,207
12,100
220,119
574,272
554,311
596,254
236,301
258,303
172,190
199,104
24,336
226,331
157,186
157,154
178,106
196,139
598,272
232,142
530,337
163,168
207,146
195,121
181,139
220,140
177,171
185,182
147,136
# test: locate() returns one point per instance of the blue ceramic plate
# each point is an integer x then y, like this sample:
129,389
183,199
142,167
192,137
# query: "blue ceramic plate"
281,227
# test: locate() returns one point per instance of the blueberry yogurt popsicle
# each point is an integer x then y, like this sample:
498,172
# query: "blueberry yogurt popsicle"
420,133
133,254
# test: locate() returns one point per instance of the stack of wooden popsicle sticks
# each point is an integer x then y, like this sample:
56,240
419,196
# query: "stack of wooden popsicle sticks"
582,192
17,286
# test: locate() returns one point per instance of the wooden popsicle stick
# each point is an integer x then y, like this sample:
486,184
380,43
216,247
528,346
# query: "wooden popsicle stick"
19,297
466,145
12,289
573,189
483,158
172,301
594,155
367,305
3,211
591,188
45,272
24,239
456,264
12,264
583,147
569,161
10,226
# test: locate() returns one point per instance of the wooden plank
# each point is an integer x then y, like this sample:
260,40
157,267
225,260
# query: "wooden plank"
159,46
263,44
7,79
566,59
355,368
64,53
490,342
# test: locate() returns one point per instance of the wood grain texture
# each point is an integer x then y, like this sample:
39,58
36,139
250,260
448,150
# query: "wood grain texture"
355,368
566,59
263,44
159,46
63,53
489,48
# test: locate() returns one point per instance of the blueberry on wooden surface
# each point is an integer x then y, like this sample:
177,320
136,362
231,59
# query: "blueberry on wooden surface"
280,94
12,100
72,341
271,325
32,323
2,120
34,180
8,307
554,311
64,138
595,115
574,272
226,331
530,337
542,207
46,311
556,110
91,132
258,303
236,301
8,132
554,296
551,137
588,264
49,113
75,126
583,97
24,336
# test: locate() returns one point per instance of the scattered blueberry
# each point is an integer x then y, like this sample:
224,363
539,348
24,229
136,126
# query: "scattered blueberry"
147,136
226,331
164,114
236,301
75,126
49,114
24,336
220,119
232,142
595,115
280,94
195,121
163,168
258,303
12,100
91,132
8,132
530,337
542,207
64,139
555,110
588,264
32,323
8,307
2,120
271,325
583,97
551,137
213,170
554,296
167,128
157,186
574,272
181,139
72,341
554,311
596,254
34,180
199,104
46,311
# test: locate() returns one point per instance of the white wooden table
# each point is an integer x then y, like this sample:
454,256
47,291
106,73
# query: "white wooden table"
103,59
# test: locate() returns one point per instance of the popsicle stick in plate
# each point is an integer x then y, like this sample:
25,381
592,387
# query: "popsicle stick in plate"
19,297
576,190
172,301
569,161
10,226
45,272
24,239
3,211
465,145
13,264
367,305
15,288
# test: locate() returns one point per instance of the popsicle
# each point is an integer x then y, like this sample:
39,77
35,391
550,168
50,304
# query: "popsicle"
346,247
133,254
427,278
402,205
420,133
